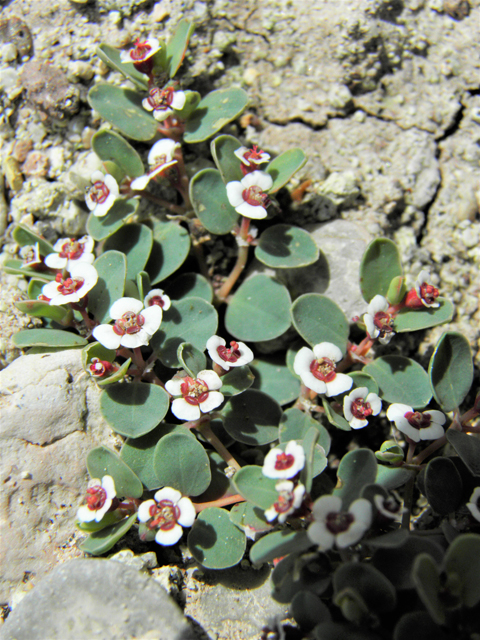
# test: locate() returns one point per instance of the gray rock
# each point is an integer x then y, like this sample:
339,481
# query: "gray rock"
50,421
96,598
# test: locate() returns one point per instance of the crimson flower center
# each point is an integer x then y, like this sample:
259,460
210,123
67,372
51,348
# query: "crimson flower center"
284,502
165,515
99,192
72,250
30,255
338,522
140,51
194,391
428,293
418,420
390,504
158,300
229,355
361,409
323,369
161,99
253,155
96,497
255,196
383,321
284,461
129,323
70,285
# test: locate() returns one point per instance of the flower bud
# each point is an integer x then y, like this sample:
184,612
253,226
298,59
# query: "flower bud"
390,452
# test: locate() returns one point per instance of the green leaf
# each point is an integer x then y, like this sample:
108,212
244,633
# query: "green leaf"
214,541
443,486
177,45
249,518
362,379
96,350
468,449
112,270
210,202
278,544
123,108
252,418
104,462
401,380
273,377
117,376
451,370
294,573
418,625
220,486
190,285
237,380
214,111
111,56
357,469
397,290
40,309
380,265
426,578
24,236
259,310
308,610
462,564
255,487
335,418
392,477
286,247
135,241
114,170
181,462
143,284
111,147
192,99
99,542
171,244
35,287
47,338
374,588
319,319
294,424
102,227
222,149
134,409
191,320
315,458
191,359
284,166
418,319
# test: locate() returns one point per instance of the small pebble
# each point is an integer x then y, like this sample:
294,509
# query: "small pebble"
36,165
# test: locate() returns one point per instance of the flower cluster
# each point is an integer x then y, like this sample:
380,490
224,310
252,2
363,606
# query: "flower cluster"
236,356
194,396
285,466
133,326
166,515
317,369
83,277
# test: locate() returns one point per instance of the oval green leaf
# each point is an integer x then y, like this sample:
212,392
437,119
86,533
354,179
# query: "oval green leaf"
252,485
223,148
171,244
111,267
418,319
214,111
111,56
104,462
252,418
24,236
380,265
100,542
284,166
443,486
181,462
135,241
273,377
401,380
357,469
286,247
190,285
40,309
451,370
214,541
278,544
111,147
102,227
47,338
210,202
319,319
294,425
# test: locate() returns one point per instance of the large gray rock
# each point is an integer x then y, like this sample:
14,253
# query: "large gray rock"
96,598
50,421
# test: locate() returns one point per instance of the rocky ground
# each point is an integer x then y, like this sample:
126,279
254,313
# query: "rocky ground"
383,96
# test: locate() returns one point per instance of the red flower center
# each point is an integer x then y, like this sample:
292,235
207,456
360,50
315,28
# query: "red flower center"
99,192
157,300
140,51
338,522
418,420
284,502
361,409
428,293
384,322
129,323
194,391
100,368
230,355
255,196
284,461
96,497
160,99
323,369
69,285
72,250
165,515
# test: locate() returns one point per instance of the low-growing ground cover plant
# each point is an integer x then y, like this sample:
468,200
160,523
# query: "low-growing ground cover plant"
224,445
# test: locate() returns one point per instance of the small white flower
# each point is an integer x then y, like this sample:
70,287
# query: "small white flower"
474,505
100,495
141,51
425,290
194,396
289,500
378,322
167,514
163,102
133,327
332,526
251,157
158,297
30,255
238,354
416,425
358,405
317,369
388,506
248,196
83,277
160,158
284,464
69,252
101,196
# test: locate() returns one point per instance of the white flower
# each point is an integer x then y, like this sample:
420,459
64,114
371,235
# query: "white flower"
167,513
160,158
388,506
101,196
69,252
284,464
251,157
358,405
163,102
426,292
416,425
248,196
30,255
378,322
317,369
158,297
83,277
332,527
289,500
197,395
141,51
133,327
474,505
100,497
238,354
